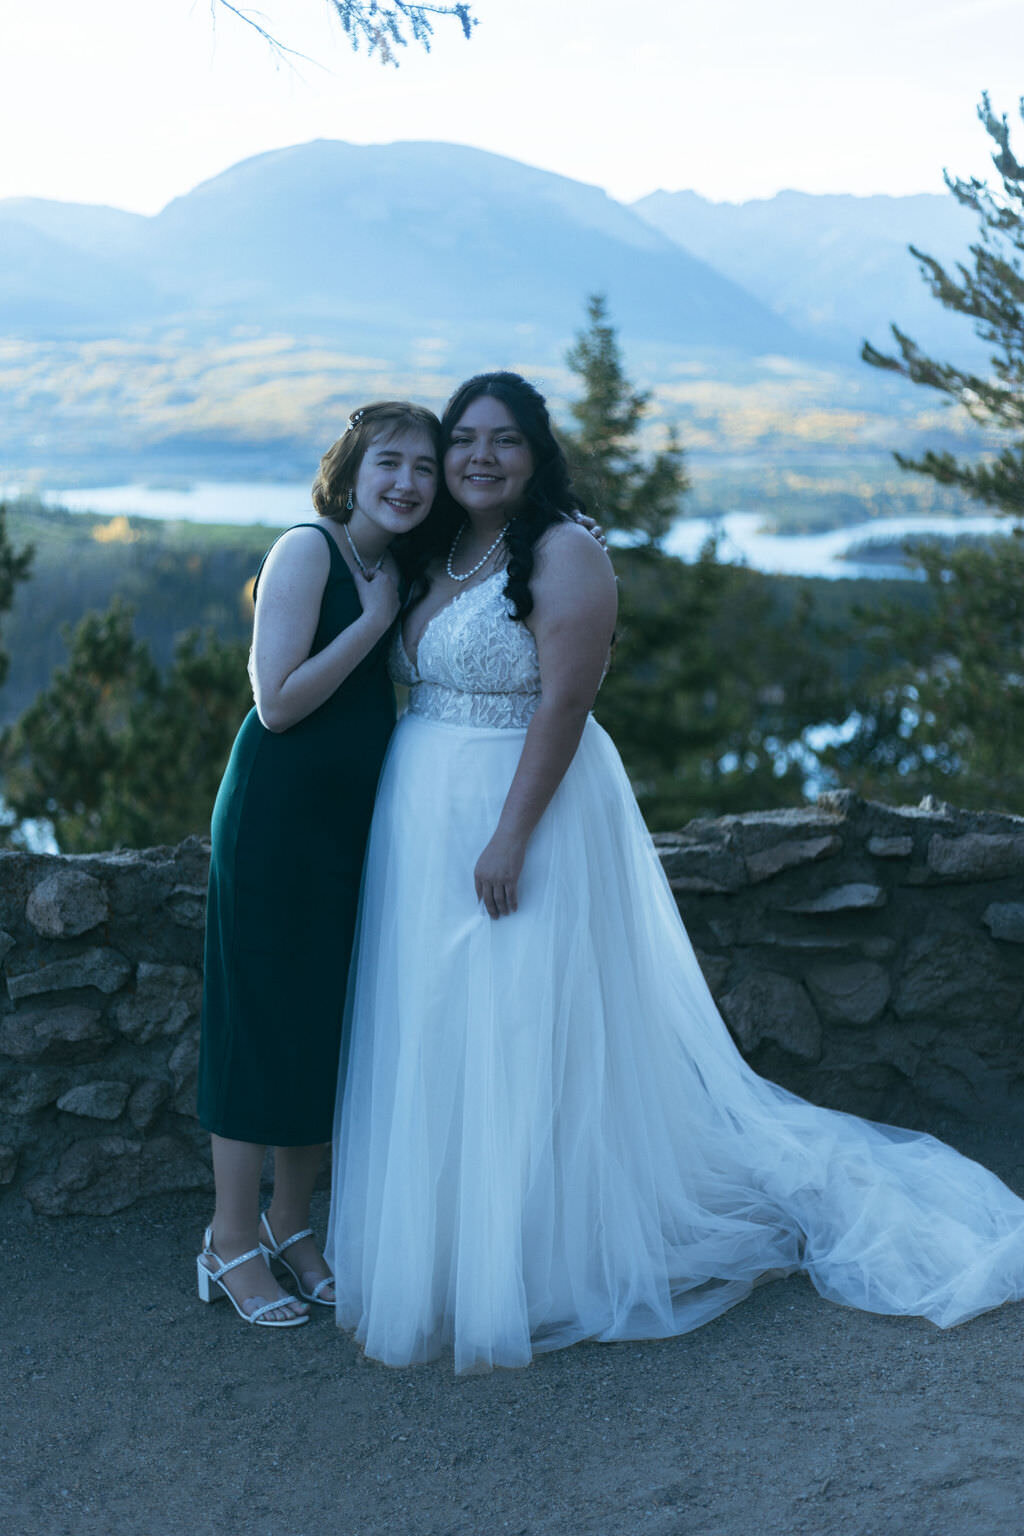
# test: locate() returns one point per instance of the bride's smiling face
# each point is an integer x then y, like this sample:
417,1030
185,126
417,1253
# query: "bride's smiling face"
489,462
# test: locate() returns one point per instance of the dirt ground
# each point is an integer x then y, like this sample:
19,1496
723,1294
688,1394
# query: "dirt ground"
131,1410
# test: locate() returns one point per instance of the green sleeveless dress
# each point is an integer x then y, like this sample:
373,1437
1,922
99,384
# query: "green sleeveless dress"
288,834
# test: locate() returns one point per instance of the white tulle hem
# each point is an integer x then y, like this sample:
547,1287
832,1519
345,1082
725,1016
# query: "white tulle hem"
546,1133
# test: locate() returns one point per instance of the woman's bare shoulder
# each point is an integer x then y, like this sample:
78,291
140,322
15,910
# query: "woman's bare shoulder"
300,558
566,548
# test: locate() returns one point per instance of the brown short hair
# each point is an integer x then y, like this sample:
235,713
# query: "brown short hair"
340,465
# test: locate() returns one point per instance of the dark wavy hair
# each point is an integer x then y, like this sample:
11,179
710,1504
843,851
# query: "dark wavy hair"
548,498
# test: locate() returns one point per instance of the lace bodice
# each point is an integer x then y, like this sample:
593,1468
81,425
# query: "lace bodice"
474,665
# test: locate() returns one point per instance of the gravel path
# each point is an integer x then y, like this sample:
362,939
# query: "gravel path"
134,1411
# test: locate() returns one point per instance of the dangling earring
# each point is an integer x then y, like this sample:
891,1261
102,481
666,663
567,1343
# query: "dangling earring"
349,507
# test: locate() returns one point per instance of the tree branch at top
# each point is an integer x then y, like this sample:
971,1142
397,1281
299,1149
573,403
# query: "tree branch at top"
379,26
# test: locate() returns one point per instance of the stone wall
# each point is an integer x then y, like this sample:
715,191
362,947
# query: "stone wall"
99,1026
868,957
865,956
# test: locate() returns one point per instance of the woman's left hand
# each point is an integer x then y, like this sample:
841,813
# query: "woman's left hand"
593,528
496,876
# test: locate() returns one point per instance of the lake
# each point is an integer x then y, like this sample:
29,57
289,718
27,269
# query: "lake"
740,534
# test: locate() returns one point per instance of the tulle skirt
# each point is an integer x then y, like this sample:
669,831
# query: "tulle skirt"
546,1133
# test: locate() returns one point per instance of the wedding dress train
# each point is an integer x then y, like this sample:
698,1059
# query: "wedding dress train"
546,1133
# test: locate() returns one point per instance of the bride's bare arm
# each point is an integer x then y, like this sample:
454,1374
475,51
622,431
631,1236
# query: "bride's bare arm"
573,619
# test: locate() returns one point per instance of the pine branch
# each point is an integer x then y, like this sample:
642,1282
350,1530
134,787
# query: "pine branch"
989,291
379,27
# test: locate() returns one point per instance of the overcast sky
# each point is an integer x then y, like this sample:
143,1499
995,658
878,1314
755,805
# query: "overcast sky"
131,102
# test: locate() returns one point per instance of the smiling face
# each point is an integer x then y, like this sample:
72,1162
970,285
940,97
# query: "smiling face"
395,484
489,462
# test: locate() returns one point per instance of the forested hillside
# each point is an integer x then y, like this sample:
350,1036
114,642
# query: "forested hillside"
176,576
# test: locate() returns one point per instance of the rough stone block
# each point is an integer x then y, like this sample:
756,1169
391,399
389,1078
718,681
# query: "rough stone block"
67,903
28,1091
703,866
184,1058
187,906
109,1162
104,1174
692,869
7,943
877,946
95,1101
166,997
104,969
146,1102
54,1034
956,1078
850,994
837,802
756,831
955,978
1005,920
756,933
976,856
767,1006
857,896
184,1101
8,1164
715,969
891,847
893,1046
771,861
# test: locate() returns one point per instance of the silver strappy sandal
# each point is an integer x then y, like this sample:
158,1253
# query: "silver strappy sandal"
272,1252
212,1287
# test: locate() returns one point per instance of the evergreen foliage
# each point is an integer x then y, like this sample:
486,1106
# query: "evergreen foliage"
625,493
175,575
115,753
941,708
715,676
990,293
15,566
718,672
377,26
943,704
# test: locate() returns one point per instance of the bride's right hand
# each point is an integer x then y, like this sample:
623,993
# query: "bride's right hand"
378,596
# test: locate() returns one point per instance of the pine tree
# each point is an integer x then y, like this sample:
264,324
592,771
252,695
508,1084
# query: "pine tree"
625,493
15,565
115,754
707,694
990,292
941,710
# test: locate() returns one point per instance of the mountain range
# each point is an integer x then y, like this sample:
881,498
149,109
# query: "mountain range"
227,335
834,266
382,244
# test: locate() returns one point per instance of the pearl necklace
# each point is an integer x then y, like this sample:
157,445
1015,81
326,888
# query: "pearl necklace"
357,557
481,562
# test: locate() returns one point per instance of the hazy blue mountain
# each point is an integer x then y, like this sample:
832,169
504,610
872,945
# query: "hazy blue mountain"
58,276
87,226
435,237
401,241
834,265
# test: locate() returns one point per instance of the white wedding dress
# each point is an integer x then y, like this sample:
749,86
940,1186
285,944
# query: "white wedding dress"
546,1133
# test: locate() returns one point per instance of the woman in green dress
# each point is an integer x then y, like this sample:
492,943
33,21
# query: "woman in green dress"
288,835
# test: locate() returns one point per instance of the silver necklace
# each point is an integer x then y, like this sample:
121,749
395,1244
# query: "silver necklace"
481,562
357,557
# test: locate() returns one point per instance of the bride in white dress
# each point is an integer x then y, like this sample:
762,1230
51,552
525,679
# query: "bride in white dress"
546,1133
